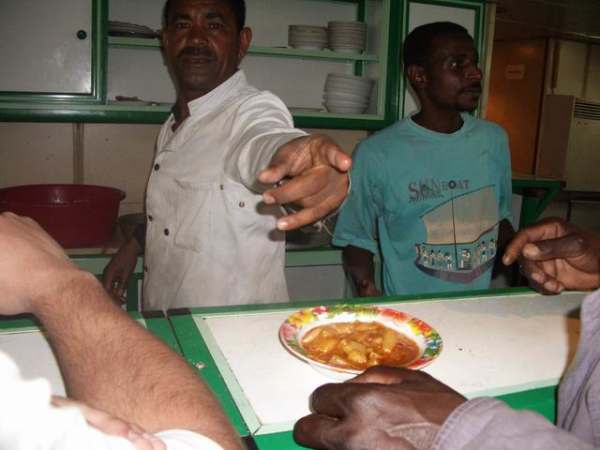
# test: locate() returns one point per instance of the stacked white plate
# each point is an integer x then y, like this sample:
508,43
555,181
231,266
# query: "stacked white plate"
307,37
348,37
347,94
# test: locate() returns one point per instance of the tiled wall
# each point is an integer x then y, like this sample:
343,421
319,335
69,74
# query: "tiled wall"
111,155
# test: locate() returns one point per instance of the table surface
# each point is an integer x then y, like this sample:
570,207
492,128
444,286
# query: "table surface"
493,345
25,342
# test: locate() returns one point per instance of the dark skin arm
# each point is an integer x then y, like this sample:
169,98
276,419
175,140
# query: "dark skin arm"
358,262
555,255
384,408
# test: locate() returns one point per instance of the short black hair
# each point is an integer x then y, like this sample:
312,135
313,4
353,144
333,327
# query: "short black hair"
238,7
418,44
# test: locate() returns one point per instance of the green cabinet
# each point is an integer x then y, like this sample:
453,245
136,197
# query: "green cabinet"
134,67
52,55
468,13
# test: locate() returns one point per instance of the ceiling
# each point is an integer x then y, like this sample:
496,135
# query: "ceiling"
573,19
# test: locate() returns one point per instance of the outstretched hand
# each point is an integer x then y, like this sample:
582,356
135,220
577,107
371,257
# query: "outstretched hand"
555,255
310,171
383,409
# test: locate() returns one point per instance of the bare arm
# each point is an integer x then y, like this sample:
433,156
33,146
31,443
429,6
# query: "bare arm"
359,264
119,269
107,360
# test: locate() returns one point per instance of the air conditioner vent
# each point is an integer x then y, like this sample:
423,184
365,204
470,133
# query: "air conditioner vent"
587,110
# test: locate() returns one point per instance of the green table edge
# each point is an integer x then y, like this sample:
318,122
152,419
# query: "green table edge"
194,349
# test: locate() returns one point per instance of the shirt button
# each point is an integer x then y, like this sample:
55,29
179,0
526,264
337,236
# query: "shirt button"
145,268
150,218
166,231
221,187
242,204
156,166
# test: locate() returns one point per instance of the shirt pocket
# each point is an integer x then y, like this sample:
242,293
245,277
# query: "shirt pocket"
193,214
245,207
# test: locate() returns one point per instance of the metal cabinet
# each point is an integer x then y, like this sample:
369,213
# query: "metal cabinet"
133,67
51,52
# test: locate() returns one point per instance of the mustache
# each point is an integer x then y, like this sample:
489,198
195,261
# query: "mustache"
196,51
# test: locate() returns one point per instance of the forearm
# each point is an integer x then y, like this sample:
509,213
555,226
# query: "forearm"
139,235
359,264
114,364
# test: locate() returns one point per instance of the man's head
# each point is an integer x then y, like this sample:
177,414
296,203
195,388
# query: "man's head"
204,42
440,61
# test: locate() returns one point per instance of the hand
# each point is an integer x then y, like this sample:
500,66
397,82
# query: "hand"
367,288
555,255
112,425
119,269
384,408
32,265
318,171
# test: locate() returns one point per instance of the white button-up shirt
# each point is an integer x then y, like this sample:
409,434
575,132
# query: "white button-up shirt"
210,239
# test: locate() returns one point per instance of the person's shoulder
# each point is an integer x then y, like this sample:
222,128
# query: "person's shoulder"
488,127
387,139
251,96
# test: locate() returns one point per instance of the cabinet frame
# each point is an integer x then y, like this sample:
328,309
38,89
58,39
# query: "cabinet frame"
479,34
57,107
36,106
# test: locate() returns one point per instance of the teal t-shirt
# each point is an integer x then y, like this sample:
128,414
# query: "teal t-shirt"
430,203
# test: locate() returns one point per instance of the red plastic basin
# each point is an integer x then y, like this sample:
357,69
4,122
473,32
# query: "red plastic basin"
76,215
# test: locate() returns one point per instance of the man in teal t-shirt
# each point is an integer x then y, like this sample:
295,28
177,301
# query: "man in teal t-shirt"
431,192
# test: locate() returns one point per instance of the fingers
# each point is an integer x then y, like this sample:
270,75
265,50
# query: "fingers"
320,192
569,246
317,171
337,158
541,276
319,432
333,399
544,230
384,375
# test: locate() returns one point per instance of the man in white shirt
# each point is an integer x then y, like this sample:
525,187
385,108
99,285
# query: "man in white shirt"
215,230
151,398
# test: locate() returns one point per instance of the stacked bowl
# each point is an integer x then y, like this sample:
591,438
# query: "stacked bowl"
307,37
347,37
347,94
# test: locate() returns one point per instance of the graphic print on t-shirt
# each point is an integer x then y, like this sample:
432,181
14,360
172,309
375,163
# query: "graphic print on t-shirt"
461,237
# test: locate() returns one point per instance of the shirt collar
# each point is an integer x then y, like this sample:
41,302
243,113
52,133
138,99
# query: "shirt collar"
216,97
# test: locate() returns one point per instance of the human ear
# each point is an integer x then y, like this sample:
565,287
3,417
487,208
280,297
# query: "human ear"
416,75
245,39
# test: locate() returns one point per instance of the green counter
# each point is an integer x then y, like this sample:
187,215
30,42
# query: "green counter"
201,349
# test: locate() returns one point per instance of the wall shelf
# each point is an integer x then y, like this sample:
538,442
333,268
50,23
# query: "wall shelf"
141,43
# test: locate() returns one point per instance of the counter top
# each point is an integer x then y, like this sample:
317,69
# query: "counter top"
494,344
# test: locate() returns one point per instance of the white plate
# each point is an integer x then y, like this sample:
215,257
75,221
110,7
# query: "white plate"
344,109
345,96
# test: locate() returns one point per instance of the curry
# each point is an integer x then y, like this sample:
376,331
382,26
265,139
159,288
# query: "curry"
359,345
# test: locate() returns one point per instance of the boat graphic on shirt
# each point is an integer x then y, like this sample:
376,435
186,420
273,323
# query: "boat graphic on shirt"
462,237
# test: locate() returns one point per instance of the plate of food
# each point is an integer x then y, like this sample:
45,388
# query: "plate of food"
344,340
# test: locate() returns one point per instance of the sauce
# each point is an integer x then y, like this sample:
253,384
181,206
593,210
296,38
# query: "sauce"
359,345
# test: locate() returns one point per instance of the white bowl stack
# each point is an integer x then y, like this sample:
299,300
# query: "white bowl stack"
347,94
307,37
347,37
